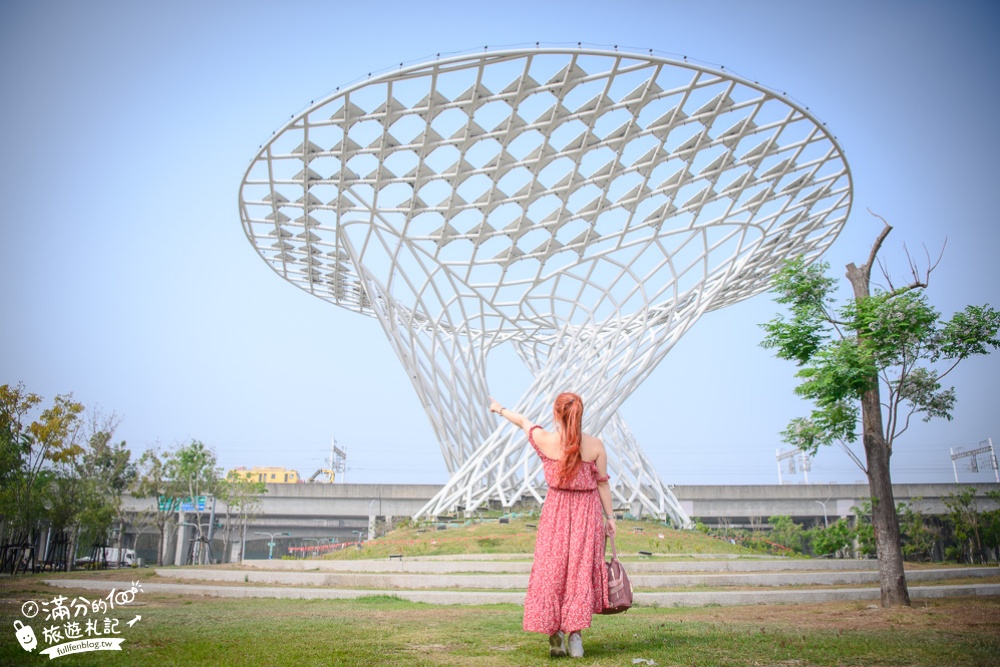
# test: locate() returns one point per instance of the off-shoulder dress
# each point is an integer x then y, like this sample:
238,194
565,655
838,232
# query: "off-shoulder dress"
569,579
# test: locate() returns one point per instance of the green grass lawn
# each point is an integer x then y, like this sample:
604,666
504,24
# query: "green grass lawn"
380,630
518,537
178,630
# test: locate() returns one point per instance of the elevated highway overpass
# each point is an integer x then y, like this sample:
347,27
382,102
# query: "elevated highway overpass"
342,511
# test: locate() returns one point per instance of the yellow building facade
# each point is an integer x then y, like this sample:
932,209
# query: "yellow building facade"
267,474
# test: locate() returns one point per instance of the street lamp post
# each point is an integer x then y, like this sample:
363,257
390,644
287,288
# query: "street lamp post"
270,545
826,523
359,533
317,540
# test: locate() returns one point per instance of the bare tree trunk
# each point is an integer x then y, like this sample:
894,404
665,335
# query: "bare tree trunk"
71,550
885,521
121,541
160,544
227,537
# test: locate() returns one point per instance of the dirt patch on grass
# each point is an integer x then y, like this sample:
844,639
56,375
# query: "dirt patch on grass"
950,615
954,615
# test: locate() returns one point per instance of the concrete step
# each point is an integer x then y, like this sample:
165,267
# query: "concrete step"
639,579
664,599
523,566
353,580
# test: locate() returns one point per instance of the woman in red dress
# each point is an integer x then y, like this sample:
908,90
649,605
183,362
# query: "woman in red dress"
569,580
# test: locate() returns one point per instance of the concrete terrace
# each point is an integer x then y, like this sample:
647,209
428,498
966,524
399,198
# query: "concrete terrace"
502,580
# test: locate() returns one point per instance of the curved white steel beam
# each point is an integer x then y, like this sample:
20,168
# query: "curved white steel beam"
585,206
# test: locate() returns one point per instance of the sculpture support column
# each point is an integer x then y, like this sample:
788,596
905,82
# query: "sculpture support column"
585,205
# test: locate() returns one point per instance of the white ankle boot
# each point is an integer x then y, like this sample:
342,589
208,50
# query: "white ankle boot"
557,644
575,645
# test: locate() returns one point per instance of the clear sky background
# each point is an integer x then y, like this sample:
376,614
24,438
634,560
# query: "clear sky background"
127,278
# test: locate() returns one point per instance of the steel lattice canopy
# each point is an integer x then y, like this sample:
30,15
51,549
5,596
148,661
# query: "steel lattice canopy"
535,188
584,206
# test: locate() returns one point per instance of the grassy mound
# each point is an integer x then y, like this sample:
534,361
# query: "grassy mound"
489,536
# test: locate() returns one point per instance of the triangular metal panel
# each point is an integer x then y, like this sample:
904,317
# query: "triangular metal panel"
779,169
568,76
431,105
309,200
641,95
307,221
481,233
797,184
731,136
708,111
661,127
700,198
673,182
389,111
738,184
595,106
722,162
604,174
347,114
308,149
307,175
518,89
477,93
656,218
766,147
346,145
508,256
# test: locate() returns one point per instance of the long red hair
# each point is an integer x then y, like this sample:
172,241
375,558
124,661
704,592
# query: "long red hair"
568,412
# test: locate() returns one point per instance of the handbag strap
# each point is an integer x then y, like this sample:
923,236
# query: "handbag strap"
614,551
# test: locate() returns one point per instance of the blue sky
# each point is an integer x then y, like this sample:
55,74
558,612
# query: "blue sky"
129,282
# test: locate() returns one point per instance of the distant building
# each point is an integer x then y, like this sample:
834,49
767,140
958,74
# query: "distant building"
268,474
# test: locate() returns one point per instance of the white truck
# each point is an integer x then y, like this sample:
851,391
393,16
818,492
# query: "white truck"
112,557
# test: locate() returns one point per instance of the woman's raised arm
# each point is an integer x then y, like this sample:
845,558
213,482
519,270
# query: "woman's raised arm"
515,418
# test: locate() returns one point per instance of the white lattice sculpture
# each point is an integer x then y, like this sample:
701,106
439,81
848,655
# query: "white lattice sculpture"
584,206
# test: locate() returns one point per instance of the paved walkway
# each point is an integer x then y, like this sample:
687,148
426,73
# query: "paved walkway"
502,579
641,579
664,599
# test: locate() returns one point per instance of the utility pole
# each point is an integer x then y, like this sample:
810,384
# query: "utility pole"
338,460
985,447
791,455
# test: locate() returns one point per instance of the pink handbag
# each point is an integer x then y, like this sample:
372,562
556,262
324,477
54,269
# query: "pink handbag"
619,587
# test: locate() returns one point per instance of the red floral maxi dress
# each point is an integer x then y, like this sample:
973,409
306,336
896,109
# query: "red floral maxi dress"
569,580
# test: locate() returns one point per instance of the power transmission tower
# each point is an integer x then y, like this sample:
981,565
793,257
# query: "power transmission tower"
805,462
985,447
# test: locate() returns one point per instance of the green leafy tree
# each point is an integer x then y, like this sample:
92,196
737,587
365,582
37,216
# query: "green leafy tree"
153,482
241,500
84,489
10,470
864,529
963,510
991,525
75,506
194,471
881,356
918,534
30,446
787,533
109,468
832,540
